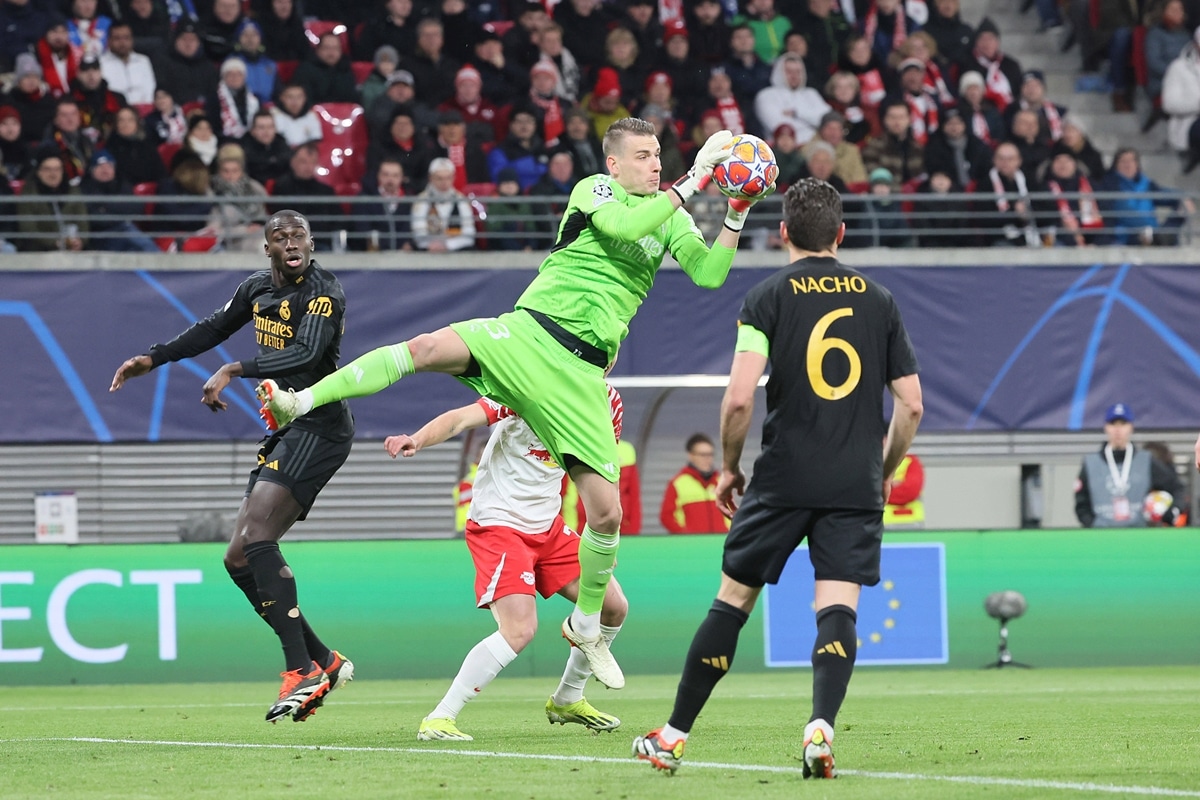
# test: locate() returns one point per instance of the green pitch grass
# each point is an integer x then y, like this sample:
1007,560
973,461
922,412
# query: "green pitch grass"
902,734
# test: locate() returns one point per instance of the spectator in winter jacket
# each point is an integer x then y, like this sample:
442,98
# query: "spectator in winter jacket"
1001,73
789,100
185,70
1165,43
267,153
220,31
689,504
522,150
848,164
442,218
125,71
1181,102
327,76
50,224
261,71
283,31
136,153
294,118
22,23
111,210
895,149
30,97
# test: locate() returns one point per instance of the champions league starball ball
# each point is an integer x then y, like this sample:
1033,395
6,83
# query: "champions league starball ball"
1155,505
749,171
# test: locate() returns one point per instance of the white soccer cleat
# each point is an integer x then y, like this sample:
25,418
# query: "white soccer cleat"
277,407
818,750
599,657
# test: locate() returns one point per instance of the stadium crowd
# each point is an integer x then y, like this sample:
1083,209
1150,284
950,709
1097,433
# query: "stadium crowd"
421,107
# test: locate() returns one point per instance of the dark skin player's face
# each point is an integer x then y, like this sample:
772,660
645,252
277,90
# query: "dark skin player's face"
289,245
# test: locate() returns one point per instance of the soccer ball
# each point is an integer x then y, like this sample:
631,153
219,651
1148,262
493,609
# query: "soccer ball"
749,171
1155,505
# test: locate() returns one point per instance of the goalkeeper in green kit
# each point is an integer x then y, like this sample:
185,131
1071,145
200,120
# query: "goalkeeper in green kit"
546,359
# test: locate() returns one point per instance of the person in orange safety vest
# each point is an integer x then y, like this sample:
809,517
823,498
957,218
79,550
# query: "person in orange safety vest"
689,504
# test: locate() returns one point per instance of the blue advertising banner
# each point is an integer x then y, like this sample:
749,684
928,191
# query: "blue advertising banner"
902,620
1001,348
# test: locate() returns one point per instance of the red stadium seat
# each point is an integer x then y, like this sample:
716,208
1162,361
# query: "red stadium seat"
147,189
858,187
199,244
16,184
315,29
499,26
284,70
479,189
166,152
362,70
142,109
343,147
270,186
352,189
1141,70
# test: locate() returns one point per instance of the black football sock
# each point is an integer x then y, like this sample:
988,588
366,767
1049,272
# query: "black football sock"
833,659
243,577
708,659
277,599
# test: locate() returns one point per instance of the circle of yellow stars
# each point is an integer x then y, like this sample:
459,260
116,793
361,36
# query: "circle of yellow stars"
889,623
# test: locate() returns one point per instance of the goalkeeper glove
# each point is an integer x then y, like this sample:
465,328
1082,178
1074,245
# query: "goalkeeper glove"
735,216
713,152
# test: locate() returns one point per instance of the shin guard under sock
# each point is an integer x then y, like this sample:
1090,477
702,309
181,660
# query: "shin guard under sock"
277,599
708,659
833,659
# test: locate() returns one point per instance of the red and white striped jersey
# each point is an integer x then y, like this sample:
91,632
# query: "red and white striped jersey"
518,482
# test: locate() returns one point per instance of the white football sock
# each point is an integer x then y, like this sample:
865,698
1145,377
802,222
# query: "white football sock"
577,672
304,398
481,665
670,734
585,624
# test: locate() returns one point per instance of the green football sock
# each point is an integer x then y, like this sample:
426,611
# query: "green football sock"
597,555
369,373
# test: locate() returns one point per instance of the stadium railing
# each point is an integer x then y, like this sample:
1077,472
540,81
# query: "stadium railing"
905,221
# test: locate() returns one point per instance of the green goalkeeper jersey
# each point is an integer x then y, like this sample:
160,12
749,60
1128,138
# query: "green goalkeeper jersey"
609,248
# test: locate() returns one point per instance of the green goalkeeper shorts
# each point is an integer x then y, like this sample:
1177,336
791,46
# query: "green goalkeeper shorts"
562,397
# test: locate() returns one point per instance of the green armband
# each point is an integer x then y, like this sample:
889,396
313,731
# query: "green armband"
752,339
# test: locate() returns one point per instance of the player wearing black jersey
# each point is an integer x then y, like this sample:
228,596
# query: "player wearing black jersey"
835,342
297,308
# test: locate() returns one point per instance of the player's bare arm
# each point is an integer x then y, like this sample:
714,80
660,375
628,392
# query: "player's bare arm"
437,430
737,408
217,382
906,416
132,368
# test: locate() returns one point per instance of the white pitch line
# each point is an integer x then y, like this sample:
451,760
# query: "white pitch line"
975,780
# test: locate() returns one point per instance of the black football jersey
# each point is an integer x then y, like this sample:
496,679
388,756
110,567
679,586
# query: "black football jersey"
836,341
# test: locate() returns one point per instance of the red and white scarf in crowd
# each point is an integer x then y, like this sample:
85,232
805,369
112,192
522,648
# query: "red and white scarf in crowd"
923,109
232,124
996,84
731,116
936,84
552,118
1089,212
899,27
57,70
1053,118
457,153
871,89
980,127
1002,193
670,10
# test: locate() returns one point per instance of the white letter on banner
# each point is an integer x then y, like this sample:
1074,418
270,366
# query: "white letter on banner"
166,579
21,653
56,617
